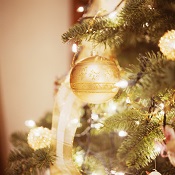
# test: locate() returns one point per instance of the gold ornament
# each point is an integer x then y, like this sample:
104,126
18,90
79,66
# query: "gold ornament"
93,79
167,44
39,138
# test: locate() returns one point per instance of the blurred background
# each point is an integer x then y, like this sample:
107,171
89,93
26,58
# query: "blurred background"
32,55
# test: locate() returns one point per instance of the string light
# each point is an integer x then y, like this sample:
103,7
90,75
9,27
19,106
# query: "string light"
120,173
94,116
145,25
161,105
157,148
122,133
128,101
74,48
97,125
79,158
30,123
93,173
80,9
112,15
113,172
112,107
137,122
150,7
122,84
75,121
162,112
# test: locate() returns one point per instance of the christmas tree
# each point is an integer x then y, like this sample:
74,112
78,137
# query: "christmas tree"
114,111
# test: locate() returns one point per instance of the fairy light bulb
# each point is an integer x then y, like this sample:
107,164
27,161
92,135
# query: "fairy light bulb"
162,112
94,173
113,172
111,107
97,125
137,122
74,48
75,121
80,9
122,133
94,116
161,105
79,158
112,15
122,84
157,148
30,123
146,25
128,101
120,173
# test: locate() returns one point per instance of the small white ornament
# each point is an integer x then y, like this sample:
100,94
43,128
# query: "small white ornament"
155,173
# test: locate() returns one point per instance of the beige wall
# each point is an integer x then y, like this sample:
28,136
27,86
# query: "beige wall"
31,57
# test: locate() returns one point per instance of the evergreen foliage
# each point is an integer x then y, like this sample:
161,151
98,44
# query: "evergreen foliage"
24,160
126,121
133,35
140,18
138,149
150,77
27,161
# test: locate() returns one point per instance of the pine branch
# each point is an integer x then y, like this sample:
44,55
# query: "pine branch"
156,74
138,149
127,121
20,161
162,165
152,21
154,18
19,139
100,30
26,161
87,28
44,158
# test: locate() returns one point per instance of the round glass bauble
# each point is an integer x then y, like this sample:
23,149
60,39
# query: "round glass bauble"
93,79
